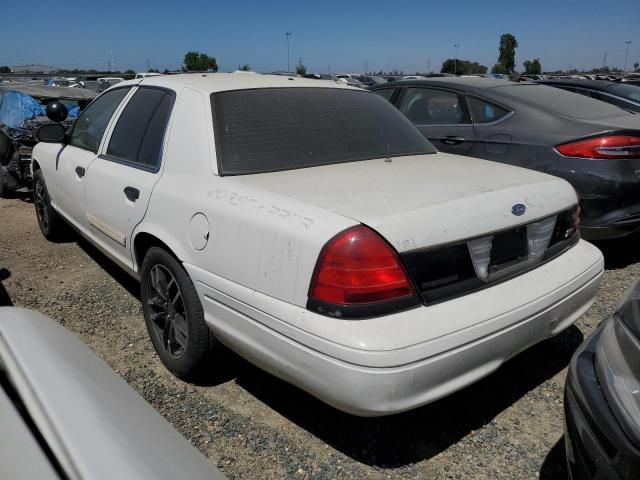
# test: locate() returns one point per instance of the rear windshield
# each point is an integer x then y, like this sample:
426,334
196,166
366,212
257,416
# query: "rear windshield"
271,129
631,92
561,102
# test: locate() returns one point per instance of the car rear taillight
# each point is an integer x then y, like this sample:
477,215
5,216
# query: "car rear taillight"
607,147
359,267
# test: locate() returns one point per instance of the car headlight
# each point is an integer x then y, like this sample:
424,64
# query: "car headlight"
618,371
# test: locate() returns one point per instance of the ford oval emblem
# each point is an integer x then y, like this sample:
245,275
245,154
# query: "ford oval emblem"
518,209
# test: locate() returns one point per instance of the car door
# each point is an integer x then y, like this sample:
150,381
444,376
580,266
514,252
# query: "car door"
442,117
120,180
493,137
73,160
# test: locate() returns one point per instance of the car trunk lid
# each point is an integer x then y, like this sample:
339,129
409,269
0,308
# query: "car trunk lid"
425,200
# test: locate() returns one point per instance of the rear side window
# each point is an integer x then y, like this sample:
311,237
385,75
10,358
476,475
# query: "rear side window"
139,133
385,93
485,112
90,126
427,106
271,129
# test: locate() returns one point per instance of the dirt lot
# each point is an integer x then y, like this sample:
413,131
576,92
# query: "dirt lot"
255,426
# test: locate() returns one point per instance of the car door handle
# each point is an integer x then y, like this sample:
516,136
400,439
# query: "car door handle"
80,171
132,193
452,140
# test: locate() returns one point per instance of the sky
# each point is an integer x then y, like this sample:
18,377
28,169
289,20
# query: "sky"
329,36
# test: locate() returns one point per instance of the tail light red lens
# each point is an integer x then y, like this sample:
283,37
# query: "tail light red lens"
359,267
607,147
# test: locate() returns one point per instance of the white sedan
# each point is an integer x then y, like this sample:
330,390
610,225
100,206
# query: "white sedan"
312,229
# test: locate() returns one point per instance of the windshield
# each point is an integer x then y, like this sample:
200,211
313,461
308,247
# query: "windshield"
630,92
270,129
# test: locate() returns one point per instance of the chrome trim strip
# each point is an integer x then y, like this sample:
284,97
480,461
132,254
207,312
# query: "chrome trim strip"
108,230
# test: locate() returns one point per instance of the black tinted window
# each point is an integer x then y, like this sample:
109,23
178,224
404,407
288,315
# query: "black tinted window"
485,112
285,128
91,124
139,132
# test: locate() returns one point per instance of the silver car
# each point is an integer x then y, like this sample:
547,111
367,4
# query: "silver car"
65,414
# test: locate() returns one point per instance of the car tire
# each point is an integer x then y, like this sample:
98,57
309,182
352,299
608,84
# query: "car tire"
2,189
52,226
174,315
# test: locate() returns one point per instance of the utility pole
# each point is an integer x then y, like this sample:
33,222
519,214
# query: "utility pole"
288,34
148,68
626,55
429,65
604,59
366,67
455,60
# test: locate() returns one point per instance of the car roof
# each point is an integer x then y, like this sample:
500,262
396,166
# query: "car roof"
44,91
573,82
208,83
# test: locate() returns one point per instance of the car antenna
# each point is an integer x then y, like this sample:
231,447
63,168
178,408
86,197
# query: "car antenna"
388,159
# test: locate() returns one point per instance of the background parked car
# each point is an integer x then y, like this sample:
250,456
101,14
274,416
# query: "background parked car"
146,74
22,112
622,95
66,414
593,145
602,398
311,214
370,81
106,82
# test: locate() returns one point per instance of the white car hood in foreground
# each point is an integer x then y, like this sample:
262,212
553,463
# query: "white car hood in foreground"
425,200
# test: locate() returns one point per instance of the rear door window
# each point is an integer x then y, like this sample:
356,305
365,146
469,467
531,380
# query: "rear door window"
90,126
138,136
485,112
428,106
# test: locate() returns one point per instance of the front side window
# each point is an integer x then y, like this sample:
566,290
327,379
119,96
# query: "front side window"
427,106
269,129
90,126
138,136
485,112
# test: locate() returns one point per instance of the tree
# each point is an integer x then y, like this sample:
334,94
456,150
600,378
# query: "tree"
507,56
462,67
244,68
154,70
199,62
635,66
499,68
532,67
129,72
301,69
5,69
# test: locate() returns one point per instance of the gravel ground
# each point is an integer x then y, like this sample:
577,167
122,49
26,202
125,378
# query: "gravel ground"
252,425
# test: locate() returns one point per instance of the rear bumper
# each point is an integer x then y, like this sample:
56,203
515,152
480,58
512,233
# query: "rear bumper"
609,191
381,382
626,225
596,446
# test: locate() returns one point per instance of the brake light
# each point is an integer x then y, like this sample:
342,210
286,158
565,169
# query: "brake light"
359,267
608,147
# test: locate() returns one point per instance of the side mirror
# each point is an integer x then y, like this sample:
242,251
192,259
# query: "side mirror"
56,111
51,133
